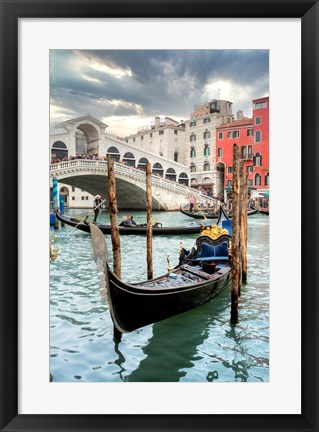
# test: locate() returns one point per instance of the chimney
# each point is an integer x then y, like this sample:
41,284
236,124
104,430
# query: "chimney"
157,122
240,115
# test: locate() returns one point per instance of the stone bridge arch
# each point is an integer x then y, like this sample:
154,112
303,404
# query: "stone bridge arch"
91,176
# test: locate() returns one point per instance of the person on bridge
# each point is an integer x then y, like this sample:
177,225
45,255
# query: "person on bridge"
96,206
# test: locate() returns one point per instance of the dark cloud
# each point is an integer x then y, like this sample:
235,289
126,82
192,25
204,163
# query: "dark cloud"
152,82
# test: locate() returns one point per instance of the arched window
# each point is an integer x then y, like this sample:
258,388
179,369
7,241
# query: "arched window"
158,169
58,151
142,164
183,179
129,159
192,138
206,134
257,136
206,150
267,179
193,153
170,174
257,159
206,166
114,152
192,167
257,179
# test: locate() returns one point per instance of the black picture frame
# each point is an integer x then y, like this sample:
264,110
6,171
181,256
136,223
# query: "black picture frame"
11,11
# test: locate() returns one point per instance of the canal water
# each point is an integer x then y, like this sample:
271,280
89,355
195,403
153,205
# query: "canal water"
197,346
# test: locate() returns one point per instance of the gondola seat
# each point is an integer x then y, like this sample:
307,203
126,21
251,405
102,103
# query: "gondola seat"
209,252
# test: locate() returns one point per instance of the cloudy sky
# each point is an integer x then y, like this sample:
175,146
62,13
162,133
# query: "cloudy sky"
126,89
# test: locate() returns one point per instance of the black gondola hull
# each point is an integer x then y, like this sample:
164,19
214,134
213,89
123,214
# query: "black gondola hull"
209,215
134,307
134,230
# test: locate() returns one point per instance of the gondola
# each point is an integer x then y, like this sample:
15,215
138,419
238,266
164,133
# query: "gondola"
264,211
200,276
131,230
211,214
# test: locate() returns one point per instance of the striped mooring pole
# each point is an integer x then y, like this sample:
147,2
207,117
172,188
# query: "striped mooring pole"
55,201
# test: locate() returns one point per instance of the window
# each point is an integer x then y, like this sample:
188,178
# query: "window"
73,189
229,134
250,132
73,198
257,159
249,169
220,135
236,134
267,179
206,120
175,131
161,132
192,123
206,151
193,153
193,168
206,134
257,179
192,138
142,137
243,152
206,166
249,182
250,152
258,136
82,198
151,135
176,156
230,170
260,105
220,152
134,139
86,198
229,183
258,120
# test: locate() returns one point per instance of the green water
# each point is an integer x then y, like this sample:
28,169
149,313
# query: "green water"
196,346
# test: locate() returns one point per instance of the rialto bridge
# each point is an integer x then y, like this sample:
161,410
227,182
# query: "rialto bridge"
91,175
78,151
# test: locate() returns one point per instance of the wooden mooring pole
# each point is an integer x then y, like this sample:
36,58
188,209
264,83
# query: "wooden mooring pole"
243,225
115,235
235,256
149,238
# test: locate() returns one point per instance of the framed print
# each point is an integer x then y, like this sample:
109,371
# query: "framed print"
41,44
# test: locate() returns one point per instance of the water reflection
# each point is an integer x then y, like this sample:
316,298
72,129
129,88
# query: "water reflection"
197,346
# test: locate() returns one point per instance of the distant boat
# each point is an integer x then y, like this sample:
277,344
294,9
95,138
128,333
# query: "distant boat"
200,276
210,214
264,211
158,229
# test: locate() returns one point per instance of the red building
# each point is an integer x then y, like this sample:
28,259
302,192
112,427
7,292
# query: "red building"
252,137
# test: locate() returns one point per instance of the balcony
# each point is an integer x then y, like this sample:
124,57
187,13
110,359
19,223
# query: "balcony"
248,156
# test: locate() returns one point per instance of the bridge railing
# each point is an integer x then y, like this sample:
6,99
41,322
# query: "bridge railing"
130,171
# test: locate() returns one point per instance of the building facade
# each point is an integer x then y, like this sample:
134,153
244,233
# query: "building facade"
164,137
200,137
252,137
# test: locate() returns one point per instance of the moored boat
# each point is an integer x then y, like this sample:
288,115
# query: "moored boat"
200,276
210,214
264,211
